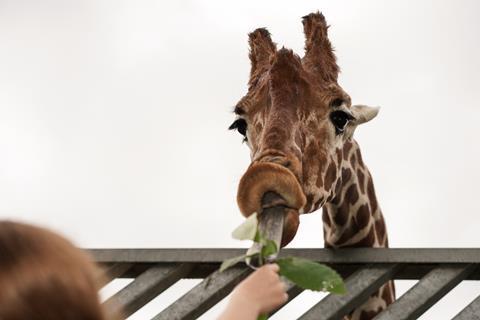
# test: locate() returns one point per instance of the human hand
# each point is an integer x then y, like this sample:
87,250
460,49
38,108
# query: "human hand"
262,291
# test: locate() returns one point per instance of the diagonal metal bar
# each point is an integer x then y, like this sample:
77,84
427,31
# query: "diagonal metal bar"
426,292
115,271
471,312
204,295
145,287
360,285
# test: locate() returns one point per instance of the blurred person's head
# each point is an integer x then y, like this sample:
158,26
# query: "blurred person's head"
44,276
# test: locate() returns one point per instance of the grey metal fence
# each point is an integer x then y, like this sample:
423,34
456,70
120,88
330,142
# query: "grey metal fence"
364,270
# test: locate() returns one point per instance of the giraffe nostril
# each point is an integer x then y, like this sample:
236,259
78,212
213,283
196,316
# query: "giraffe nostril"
287,164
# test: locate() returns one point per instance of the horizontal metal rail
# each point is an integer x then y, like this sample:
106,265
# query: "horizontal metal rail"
338,256
365,270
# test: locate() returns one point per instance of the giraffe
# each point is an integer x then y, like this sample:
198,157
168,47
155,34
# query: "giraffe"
298,124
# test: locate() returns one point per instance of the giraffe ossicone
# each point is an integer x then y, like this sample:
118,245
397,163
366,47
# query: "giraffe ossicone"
298,124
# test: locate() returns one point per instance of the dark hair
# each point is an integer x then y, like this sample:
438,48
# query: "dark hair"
43,276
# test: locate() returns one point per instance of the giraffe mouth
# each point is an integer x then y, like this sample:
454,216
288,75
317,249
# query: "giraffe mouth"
267,185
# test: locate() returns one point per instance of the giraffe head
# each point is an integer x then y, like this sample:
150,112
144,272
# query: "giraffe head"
295,119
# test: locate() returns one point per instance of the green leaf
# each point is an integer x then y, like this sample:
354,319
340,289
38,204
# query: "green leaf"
311,275
269,248
262,317
247,230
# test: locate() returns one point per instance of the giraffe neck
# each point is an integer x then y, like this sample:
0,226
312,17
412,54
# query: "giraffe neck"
353,218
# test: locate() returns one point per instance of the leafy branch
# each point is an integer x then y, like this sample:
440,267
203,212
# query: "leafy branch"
304,273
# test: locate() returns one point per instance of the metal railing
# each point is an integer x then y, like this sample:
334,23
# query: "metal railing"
364,271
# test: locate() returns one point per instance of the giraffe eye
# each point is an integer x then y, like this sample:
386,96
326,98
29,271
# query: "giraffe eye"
340,120
240,125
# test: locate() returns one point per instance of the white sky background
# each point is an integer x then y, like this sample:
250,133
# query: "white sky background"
113,116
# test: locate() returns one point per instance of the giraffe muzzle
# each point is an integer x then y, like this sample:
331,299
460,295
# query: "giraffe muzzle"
266,185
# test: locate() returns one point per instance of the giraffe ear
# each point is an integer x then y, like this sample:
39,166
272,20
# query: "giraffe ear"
363,113
262,49
319,56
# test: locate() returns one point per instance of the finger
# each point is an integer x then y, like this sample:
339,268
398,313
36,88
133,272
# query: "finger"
274,267
281,298
280,287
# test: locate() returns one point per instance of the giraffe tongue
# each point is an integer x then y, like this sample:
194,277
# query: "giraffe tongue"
272,199
276,222
274,206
